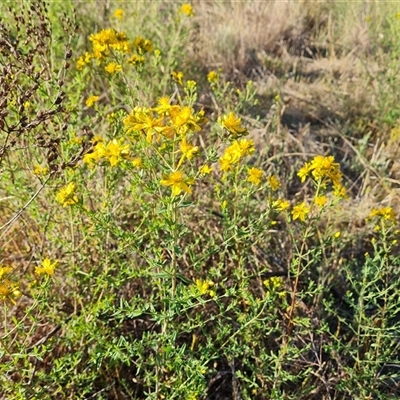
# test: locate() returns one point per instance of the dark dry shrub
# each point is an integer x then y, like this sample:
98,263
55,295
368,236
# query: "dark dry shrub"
34,62
32,79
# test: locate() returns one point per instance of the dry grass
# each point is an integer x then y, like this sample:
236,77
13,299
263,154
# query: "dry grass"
322,58
230,33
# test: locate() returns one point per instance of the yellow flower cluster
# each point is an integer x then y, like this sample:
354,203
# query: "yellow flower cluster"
235,153
320,201
254,175
119,13
273,182
112,68
385,213
114,152
203,287
107,43
168,126
142,46
66,195
108,40
187,9
188,151
47,267
164,121
177,76
205,170
213,77
91,100
178,183
275,285
281,205
300,211
83,61
324,170
9,290
38,170
233,125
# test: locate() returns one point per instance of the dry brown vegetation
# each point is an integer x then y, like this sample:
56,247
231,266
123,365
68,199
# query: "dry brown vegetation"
323,59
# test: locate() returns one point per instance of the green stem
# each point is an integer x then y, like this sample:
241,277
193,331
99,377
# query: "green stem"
174,262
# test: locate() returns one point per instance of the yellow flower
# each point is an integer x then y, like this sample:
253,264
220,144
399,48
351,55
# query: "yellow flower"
324,170
75,139
304,171
204,287
83,60
66,195
188,150
246,146
273,283
106,40
137,162
88,158
273,182
185,120
255,175
164,107
225,163
143,45
177,77
136,60
281,205
191,84
112,68
141,120
205,170
187,9
325,167
46,268
9,291
80,64
40,171
235,152
213,77
340,191
119,13
320,201
4,271
177,182
91,100
115,151
232,123
97,153
300,211
386,213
